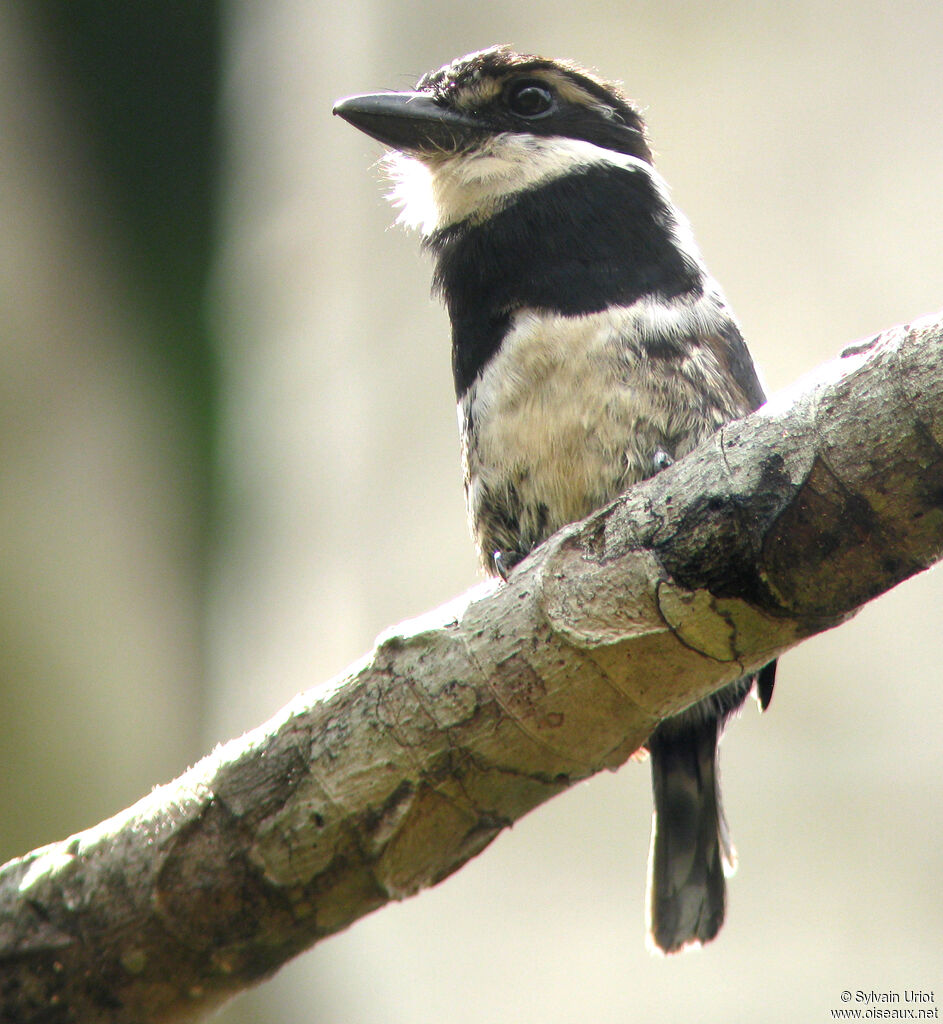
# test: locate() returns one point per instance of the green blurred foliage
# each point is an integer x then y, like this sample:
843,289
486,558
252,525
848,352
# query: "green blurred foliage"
107,426
142,78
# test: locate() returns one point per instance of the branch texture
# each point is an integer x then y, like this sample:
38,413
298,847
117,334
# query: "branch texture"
390,777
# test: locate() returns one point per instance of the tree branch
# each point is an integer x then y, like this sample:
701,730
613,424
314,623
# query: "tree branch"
393,775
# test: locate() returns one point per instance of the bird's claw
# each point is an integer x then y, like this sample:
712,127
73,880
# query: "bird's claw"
504,562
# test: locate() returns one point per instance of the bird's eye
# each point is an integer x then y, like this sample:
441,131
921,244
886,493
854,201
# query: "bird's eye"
530,99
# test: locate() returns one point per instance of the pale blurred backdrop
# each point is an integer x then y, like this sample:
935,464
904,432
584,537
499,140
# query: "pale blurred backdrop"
228,459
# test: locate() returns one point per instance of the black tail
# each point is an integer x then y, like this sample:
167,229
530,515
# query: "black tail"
690,843
691,850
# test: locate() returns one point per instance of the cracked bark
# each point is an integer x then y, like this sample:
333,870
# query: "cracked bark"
390,777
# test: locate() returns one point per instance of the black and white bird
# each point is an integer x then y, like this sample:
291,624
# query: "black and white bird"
590,348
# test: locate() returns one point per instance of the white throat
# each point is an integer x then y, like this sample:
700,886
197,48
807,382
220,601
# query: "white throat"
431,195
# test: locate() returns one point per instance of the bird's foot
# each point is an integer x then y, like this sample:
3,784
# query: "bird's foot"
504,562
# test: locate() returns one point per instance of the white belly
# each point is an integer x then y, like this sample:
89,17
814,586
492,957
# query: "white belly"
570,412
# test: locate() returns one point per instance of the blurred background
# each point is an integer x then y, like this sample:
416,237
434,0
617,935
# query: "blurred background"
228,459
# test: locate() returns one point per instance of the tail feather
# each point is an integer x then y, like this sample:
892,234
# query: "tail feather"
691,850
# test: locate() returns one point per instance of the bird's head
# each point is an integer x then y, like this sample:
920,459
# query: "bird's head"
489,125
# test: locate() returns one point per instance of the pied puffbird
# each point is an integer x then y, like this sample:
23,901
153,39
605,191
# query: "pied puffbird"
590,348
